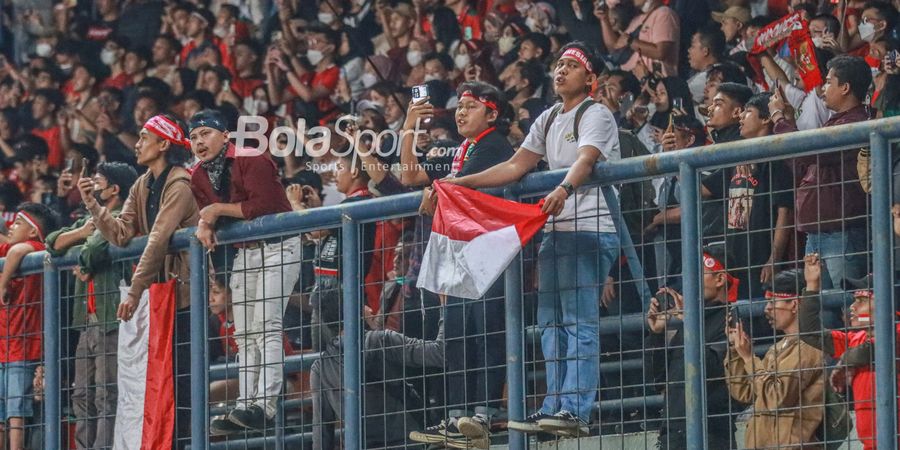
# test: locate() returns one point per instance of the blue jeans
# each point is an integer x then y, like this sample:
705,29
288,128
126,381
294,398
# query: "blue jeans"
843,253
572,267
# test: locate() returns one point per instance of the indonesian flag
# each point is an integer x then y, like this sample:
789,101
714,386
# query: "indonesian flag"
145,417
474,237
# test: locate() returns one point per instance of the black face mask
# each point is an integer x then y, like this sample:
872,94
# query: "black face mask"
510,93
525,125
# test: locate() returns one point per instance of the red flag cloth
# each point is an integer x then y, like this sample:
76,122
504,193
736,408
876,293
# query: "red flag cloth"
794,31
474,237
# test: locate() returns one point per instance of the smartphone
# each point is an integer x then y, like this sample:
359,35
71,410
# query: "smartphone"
892,57
420,93
677,103
626,102
85,168
70,164
601,5
657,67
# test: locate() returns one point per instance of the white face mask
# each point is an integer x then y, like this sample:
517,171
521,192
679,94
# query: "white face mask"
817,41
108,56
325,18
43,49
255,107
506,44
532,24
220,32
431,77
414,57
66,68
368,79
867,31
314,56
461,61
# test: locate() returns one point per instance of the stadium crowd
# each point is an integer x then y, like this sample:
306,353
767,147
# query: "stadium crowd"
118,119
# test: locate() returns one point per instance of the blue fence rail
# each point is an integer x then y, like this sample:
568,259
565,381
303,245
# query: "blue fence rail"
686,163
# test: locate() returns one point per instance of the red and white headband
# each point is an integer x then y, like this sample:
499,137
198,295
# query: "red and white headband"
714,265
863,293
483,100
770,294
579,56
168,130
30,220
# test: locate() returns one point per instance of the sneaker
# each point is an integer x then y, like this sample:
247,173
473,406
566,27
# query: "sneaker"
441,433
565,424
530,424
477,429
253,417
221,426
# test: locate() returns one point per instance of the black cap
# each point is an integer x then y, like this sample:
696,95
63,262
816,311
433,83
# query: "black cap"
866,283
790,282
208,118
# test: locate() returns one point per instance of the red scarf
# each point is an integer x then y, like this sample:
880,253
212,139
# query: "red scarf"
463,154
795,31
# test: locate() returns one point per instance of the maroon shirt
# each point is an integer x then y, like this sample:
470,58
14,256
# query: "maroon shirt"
253,182
828,189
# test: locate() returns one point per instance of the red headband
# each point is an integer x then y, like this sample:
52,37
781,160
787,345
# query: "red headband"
31,222
168,130
579,56
863,293
770,294
713,264
483,100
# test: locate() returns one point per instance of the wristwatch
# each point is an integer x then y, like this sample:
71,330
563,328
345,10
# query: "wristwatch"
568,188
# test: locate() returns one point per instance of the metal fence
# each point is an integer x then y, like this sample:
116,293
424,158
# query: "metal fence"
629,399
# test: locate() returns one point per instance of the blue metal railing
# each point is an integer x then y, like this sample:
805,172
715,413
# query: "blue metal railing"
685,163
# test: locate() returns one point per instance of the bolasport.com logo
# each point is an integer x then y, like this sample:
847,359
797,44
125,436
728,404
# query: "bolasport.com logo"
253,138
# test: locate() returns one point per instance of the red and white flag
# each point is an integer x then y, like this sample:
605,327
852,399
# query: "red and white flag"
145,417
474,237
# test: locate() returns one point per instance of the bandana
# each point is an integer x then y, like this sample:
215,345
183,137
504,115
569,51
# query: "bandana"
30,220
168,130
714,265
579,56
208,118
483,100
770,294
215,168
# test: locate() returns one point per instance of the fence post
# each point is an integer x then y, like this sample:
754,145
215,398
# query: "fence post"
885,367
635,266
515,346
52,374
694,387
199,358
352,334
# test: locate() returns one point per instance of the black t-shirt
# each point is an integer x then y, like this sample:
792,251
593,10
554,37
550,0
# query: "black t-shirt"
491,150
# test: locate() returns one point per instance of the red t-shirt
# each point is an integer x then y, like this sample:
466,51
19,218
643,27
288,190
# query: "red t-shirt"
863,377
120,81
21,321
328,79
52,137
244,87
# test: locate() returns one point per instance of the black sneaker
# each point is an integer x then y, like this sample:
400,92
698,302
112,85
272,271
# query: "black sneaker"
221,426
565,424
477,430
253,417
444,432
529,425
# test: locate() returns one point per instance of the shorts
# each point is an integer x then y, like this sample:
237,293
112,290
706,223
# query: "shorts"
17,389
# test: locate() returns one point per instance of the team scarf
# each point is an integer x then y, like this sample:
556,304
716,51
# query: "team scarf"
793,31
463,154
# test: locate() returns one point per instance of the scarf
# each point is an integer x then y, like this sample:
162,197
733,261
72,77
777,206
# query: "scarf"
215,168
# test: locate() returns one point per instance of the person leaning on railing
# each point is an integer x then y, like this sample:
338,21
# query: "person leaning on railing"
786,386
97,298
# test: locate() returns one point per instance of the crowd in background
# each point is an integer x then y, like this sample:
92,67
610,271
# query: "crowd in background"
80,79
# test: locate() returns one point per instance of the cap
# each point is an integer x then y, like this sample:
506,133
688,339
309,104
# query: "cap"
364,105
739,13
865,283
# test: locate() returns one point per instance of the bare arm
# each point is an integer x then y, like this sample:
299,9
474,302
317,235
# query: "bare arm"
783,224
504,173
661,50
13,260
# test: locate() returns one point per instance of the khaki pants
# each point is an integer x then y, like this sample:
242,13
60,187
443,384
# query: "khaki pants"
96,392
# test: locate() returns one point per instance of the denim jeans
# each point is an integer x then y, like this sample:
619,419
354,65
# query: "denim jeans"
572,267
843,253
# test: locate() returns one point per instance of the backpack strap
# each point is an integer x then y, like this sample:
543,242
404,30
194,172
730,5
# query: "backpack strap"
581,109
550,118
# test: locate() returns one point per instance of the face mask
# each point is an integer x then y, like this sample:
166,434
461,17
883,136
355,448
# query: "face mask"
414,57
66,68
817,42
326,18
314,56
108,56
98,195
524,125
368,79
395,125
461,61
431,77
43,49
867,31
220,32
506,44
532,24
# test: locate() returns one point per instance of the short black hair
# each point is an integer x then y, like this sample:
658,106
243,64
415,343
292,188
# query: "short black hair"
87,151
832,25
221,72
205,99
30,147
731,73
534,72
790,282
886,12
540,41
761,103
442,58
232,9
172,40
597,64
306,178
491,93
157,87
53,96
737,92
150,95
630,83
47,219
854,71
115,92
333,37
118,174
712,38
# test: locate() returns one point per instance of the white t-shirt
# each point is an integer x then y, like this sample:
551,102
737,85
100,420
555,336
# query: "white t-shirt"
812,110
597,128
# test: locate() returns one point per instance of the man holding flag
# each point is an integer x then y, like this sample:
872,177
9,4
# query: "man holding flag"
579,246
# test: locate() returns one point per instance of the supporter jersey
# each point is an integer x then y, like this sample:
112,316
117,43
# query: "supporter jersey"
328,79
54,142
863,377
21,320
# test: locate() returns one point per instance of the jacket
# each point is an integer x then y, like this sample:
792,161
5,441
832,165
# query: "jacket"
786,389
177,209
106,276
829,190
